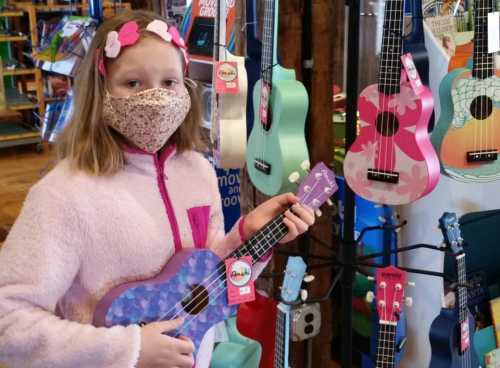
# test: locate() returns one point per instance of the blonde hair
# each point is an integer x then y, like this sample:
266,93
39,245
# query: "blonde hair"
88,143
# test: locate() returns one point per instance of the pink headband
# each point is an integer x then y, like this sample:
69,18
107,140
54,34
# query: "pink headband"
129,34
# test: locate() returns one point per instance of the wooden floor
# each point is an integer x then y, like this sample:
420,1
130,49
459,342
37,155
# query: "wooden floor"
20,168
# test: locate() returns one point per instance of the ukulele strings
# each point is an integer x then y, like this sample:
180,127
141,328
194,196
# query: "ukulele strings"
217,291
385,79
222,275
393,130
264,88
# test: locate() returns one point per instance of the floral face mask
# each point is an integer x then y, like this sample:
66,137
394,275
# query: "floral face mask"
148,118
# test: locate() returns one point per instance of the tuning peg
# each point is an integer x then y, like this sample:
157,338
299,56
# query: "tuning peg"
309,278
294,177
382,219
442,245
318,212
411,283
305,165
370,297
370,278
398,286
318,176
460,240
307,189
408,301
329,202
303,295
315,202
378,206
395,305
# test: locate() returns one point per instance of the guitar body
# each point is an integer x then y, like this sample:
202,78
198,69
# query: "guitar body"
161,298
445,342
283,146
408,151
232,120
459,132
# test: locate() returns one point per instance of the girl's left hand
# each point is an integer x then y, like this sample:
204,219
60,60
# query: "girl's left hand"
297,222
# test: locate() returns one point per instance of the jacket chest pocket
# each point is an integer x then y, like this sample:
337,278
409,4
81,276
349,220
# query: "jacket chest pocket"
198,219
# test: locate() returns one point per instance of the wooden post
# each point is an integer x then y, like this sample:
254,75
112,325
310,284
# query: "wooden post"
327,25
321,149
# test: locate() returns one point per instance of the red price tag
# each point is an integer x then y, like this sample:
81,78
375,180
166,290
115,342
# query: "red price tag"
240,285
226,74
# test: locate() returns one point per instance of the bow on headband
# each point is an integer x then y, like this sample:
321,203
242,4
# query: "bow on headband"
129,35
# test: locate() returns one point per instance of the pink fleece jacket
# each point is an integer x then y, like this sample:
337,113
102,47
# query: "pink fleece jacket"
78,236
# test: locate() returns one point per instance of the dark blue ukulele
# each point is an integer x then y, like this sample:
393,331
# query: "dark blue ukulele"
451,333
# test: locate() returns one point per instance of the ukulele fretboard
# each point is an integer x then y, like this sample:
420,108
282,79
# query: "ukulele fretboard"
482,61
389,74
386,348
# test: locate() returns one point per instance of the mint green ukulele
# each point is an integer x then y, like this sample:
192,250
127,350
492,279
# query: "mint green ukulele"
276,146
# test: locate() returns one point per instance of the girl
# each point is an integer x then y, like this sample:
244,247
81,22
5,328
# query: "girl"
129,192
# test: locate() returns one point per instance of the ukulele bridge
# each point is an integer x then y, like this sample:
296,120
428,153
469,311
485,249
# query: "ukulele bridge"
383,176
482,156
262,166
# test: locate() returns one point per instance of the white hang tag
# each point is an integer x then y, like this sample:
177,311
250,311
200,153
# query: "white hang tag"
493,32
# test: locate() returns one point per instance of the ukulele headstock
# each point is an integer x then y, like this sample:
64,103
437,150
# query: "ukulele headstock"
294,274
390,290
448,223
317,187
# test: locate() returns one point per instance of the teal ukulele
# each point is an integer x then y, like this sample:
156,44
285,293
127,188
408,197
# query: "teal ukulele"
277,145
467,135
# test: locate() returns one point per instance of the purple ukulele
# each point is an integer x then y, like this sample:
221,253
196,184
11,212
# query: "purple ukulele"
193,283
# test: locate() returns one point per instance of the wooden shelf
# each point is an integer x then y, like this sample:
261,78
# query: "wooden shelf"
13,134
13,38
12,13
17,101
61,7
19,71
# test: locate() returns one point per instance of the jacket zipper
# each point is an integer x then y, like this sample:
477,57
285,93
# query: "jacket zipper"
159,164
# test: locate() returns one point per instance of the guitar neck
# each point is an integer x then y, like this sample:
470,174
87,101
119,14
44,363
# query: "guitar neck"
386,349
220,31
462,290
282,334
389,76
482,61
263,241
269,40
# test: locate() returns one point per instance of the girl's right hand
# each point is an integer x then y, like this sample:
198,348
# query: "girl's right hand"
159,350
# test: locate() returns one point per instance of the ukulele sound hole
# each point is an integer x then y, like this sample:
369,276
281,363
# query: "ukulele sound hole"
481,107
387,124
197,301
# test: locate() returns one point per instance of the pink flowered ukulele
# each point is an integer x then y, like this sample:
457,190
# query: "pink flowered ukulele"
392,160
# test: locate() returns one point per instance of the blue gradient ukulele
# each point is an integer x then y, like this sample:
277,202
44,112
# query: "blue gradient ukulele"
451,332
467,135
277,144
193,283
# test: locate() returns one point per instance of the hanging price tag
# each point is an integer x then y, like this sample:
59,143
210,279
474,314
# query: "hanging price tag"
226,74
493,32
240,286
412,73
